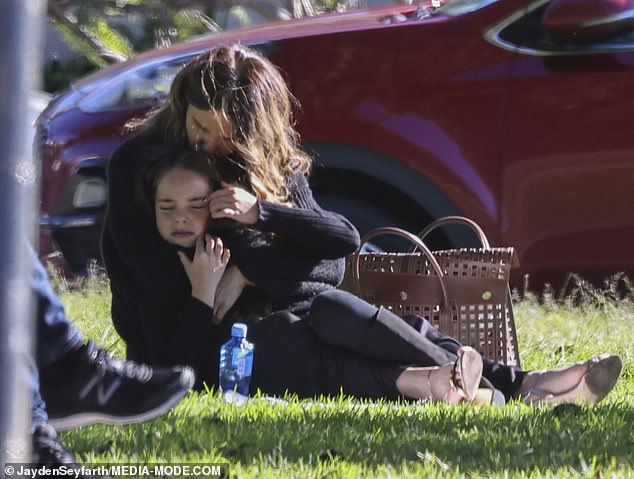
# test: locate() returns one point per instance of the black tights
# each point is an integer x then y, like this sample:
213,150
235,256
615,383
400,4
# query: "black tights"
344,320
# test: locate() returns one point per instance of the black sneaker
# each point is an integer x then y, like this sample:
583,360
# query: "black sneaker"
102,389
49,452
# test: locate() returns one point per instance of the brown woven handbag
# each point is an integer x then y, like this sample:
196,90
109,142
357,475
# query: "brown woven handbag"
464,293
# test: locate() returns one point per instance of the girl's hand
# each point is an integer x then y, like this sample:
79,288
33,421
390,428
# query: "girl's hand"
234,202
229,290
206,268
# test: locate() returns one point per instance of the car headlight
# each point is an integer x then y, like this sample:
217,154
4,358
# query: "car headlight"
90,193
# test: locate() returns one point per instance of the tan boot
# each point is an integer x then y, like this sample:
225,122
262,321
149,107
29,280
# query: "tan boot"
464,378
489,397
453,383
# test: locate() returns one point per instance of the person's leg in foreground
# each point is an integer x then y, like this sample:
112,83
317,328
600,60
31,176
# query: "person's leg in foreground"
76,383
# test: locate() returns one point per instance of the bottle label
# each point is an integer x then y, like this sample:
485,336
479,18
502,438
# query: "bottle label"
239,364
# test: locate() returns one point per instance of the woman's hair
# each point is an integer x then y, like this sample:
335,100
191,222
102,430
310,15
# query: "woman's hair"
247,88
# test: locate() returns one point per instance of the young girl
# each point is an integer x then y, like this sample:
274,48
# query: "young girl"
289,355
182,219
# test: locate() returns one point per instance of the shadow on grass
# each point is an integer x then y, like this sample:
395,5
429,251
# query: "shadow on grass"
477,440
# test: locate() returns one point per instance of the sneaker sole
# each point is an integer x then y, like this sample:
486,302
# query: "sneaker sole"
88,418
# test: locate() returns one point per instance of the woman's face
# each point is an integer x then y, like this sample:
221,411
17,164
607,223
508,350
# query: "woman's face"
181,208
210,130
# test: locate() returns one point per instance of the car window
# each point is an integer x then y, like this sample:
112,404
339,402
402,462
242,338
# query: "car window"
143,86
460,7
525,32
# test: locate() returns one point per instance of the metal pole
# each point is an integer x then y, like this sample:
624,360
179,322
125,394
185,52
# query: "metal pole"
20,25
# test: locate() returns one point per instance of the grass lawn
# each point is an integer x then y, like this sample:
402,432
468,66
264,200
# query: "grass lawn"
347,438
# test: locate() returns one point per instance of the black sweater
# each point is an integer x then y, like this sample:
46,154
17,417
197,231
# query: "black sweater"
293,255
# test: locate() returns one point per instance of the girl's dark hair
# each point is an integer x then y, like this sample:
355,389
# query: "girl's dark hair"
163,159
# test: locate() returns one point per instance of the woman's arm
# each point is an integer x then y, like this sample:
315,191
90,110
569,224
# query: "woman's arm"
287,271
323,234
320,233
294,253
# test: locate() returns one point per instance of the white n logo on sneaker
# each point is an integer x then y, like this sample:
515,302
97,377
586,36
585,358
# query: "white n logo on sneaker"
104,391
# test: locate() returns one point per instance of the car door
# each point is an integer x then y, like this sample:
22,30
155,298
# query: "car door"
568,148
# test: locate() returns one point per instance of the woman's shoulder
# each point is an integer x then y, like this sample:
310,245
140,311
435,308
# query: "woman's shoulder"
298,181
137,151
299,190
135,142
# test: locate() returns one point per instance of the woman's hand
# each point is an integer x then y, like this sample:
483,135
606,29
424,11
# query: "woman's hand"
206,269
234,202
229,290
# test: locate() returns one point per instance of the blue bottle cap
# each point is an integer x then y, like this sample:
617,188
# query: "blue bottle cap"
239,330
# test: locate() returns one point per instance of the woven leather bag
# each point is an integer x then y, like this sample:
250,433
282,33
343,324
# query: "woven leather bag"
464,293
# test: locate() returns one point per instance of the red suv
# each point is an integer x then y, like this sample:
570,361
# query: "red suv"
516,113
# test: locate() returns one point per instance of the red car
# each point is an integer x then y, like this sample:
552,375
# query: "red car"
516,113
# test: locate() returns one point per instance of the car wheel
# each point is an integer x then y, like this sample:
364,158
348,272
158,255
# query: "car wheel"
368,204
80,248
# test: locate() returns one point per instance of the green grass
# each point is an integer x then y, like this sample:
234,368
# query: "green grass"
347,438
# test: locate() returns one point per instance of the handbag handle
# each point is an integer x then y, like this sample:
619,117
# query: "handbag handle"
445,311
475,227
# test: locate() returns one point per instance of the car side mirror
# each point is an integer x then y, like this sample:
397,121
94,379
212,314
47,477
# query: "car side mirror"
587,20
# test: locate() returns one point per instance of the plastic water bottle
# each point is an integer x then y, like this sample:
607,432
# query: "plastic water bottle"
236,362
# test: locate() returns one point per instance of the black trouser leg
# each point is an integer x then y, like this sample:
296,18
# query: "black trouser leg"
342,319
290,356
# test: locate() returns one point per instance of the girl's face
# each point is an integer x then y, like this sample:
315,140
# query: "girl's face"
181,208
209,129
